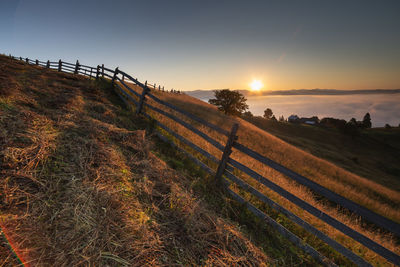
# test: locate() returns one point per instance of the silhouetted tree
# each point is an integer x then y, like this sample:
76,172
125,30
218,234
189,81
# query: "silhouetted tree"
268,114
315,118
230,102
332,122
273,118
367,121
353,121
387,126
248,114
281,118
348,128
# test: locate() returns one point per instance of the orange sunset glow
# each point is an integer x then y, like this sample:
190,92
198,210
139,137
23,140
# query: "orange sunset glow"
256,85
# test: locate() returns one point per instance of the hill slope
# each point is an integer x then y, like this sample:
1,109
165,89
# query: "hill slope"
367,193
374,154
85,149
357,188
81,183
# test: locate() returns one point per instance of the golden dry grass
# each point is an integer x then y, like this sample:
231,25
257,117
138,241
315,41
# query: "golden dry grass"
373,154
376,197
80,185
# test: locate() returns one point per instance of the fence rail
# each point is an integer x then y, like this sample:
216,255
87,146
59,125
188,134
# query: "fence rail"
227,166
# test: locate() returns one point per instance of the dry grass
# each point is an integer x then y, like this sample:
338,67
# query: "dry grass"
373,154
376,197
80,185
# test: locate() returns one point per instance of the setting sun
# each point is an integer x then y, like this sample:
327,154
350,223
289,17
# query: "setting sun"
256,85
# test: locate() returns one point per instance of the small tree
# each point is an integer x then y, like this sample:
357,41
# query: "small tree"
248,114
353,121
367,121
316,119
268,114
281,118
230,102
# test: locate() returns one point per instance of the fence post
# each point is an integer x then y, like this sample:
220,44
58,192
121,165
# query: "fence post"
20,58
159,88
76,67
163,88
97,72
102,70
48,64
37,62
142,97
227,152
115,75
59,65
27,60
91,70
123,77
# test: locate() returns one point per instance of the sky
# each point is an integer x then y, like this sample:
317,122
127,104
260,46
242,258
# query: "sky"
188,45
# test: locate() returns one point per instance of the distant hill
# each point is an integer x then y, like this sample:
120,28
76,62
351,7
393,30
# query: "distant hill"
206,94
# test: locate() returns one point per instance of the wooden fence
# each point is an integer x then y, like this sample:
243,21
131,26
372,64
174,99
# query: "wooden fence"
224,174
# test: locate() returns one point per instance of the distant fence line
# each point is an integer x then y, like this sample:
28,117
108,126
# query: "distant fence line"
226,166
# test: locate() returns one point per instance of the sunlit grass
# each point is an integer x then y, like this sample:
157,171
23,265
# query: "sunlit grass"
376,197
81,186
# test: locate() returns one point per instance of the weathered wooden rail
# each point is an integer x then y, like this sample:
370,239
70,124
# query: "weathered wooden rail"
226,166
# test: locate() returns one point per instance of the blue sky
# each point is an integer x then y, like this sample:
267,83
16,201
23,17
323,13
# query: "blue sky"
190,45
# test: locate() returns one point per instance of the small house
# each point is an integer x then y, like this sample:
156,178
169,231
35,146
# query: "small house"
310,121
293,118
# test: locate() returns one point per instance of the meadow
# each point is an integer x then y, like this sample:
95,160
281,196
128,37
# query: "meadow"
83,185
364,191
67,126
373,153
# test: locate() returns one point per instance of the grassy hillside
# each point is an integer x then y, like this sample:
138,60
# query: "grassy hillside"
359,189
374,154
83,184
377,197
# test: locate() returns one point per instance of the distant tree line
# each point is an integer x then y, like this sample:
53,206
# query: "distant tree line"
351,127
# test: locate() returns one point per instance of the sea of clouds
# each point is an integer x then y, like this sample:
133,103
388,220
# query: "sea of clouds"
384,108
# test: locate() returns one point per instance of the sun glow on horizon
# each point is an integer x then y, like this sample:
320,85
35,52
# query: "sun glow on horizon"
256,85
